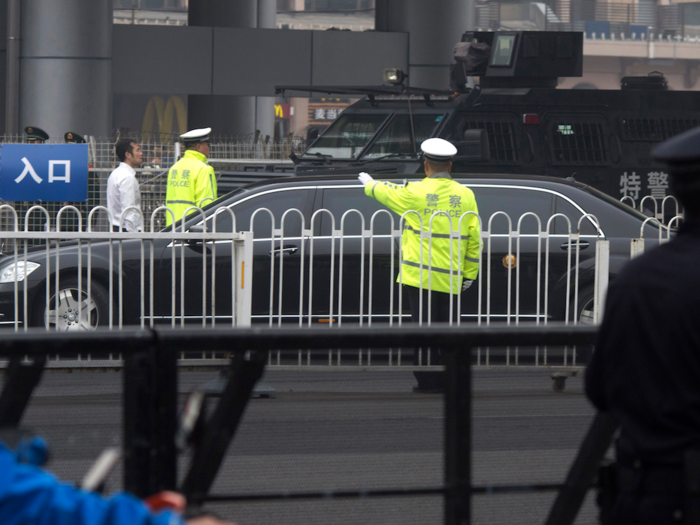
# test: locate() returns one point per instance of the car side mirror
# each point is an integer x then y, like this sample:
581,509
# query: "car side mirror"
475,147
311,135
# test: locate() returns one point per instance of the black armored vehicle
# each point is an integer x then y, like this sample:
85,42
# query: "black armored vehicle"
599,137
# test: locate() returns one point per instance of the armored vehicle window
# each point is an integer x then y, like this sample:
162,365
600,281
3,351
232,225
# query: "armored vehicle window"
340,200
347,136
646,129
503,144
503,54
578,142
675,126
277,202
655,129
396,137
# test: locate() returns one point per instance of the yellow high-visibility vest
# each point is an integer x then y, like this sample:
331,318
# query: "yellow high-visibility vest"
191,182
450,244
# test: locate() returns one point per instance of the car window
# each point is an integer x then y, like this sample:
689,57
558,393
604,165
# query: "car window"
339,200
574,215
277,201
515,202
396,137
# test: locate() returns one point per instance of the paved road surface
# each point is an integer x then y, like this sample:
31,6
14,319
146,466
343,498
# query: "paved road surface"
349,430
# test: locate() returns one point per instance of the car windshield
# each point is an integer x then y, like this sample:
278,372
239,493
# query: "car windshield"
395,139
347,136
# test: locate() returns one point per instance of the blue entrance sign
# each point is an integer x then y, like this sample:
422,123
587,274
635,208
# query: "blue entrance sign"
44,172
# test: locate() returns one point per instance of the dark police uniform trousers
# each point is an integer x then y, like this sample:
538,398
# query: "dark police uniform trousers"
436,308
645,371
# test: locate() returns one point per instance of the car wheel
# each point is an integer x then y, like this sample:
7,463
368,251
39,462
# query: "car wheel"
585,306
75,312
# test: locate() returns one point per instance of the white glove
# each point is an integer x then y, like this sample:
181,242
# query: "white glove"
365,178
466,284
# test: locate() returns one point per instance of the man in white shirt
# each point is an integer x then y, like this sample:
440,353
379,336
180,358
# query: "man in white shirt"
123,188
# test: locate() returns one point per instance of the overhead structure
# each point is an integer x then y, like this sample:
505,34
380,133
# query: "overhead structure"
66,66
434,27
232,115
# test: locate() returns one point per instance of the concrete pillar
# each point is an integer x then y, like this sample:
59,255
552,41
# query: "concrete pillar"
434,28
232,115
66,66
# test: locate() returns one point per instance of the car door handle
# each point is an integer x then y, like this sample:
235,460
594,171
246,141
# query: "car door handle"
582,245
284,250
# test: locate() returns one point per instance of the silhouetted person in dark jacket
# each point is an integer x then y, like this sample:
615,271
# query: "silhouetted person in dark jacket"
645,369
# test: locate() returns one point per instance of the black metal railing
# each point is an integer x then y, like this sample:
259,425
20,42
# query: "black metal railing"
150,401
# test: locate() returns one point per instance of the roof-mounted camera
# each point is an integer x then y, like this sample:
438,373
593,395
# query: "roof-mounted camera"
517,59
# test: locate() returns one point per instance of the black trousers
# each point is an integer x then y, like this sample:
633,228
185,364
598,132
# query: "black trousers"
439,310
436,308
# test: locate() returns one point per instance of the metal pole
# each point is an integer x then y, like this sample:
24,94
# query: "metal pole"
137,423
13,54
165,420
583,470
220,428
150,419
458,435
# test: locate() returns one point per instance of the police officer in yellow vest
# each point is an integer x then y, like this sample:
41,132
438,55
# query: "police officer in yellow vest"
439,207
191,181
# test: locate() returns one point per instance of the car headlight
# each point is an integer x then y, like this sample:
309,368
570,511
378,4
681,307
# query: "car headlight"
17,272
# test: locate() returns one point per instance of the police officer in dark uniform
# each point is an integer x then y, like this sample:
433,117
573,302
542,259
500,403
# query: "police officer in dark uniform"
645,370
73,138
34,135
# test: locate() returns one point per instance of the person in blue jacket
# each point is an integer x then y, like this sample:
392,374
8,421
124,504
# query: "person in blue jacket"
29,495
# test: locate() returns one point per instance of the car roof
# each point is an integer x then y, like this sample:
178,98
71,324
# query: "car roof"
530,180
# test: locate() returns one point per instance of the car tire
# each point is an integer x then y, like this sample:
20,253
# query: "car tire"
95,309
584,313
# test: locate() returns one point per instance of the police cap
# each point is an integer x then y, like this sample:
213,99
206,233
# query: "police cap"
34,133
196,135
438,150
73,138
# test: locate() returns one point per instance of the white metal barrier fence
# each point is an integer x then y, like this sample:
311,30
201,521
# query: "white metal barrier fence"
638,245
303,276
288,271
669,207
84,279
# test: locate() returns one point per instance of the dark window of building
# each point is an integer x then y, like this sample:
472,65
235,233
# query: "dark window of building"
177,5
503,139
338,5
578,141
